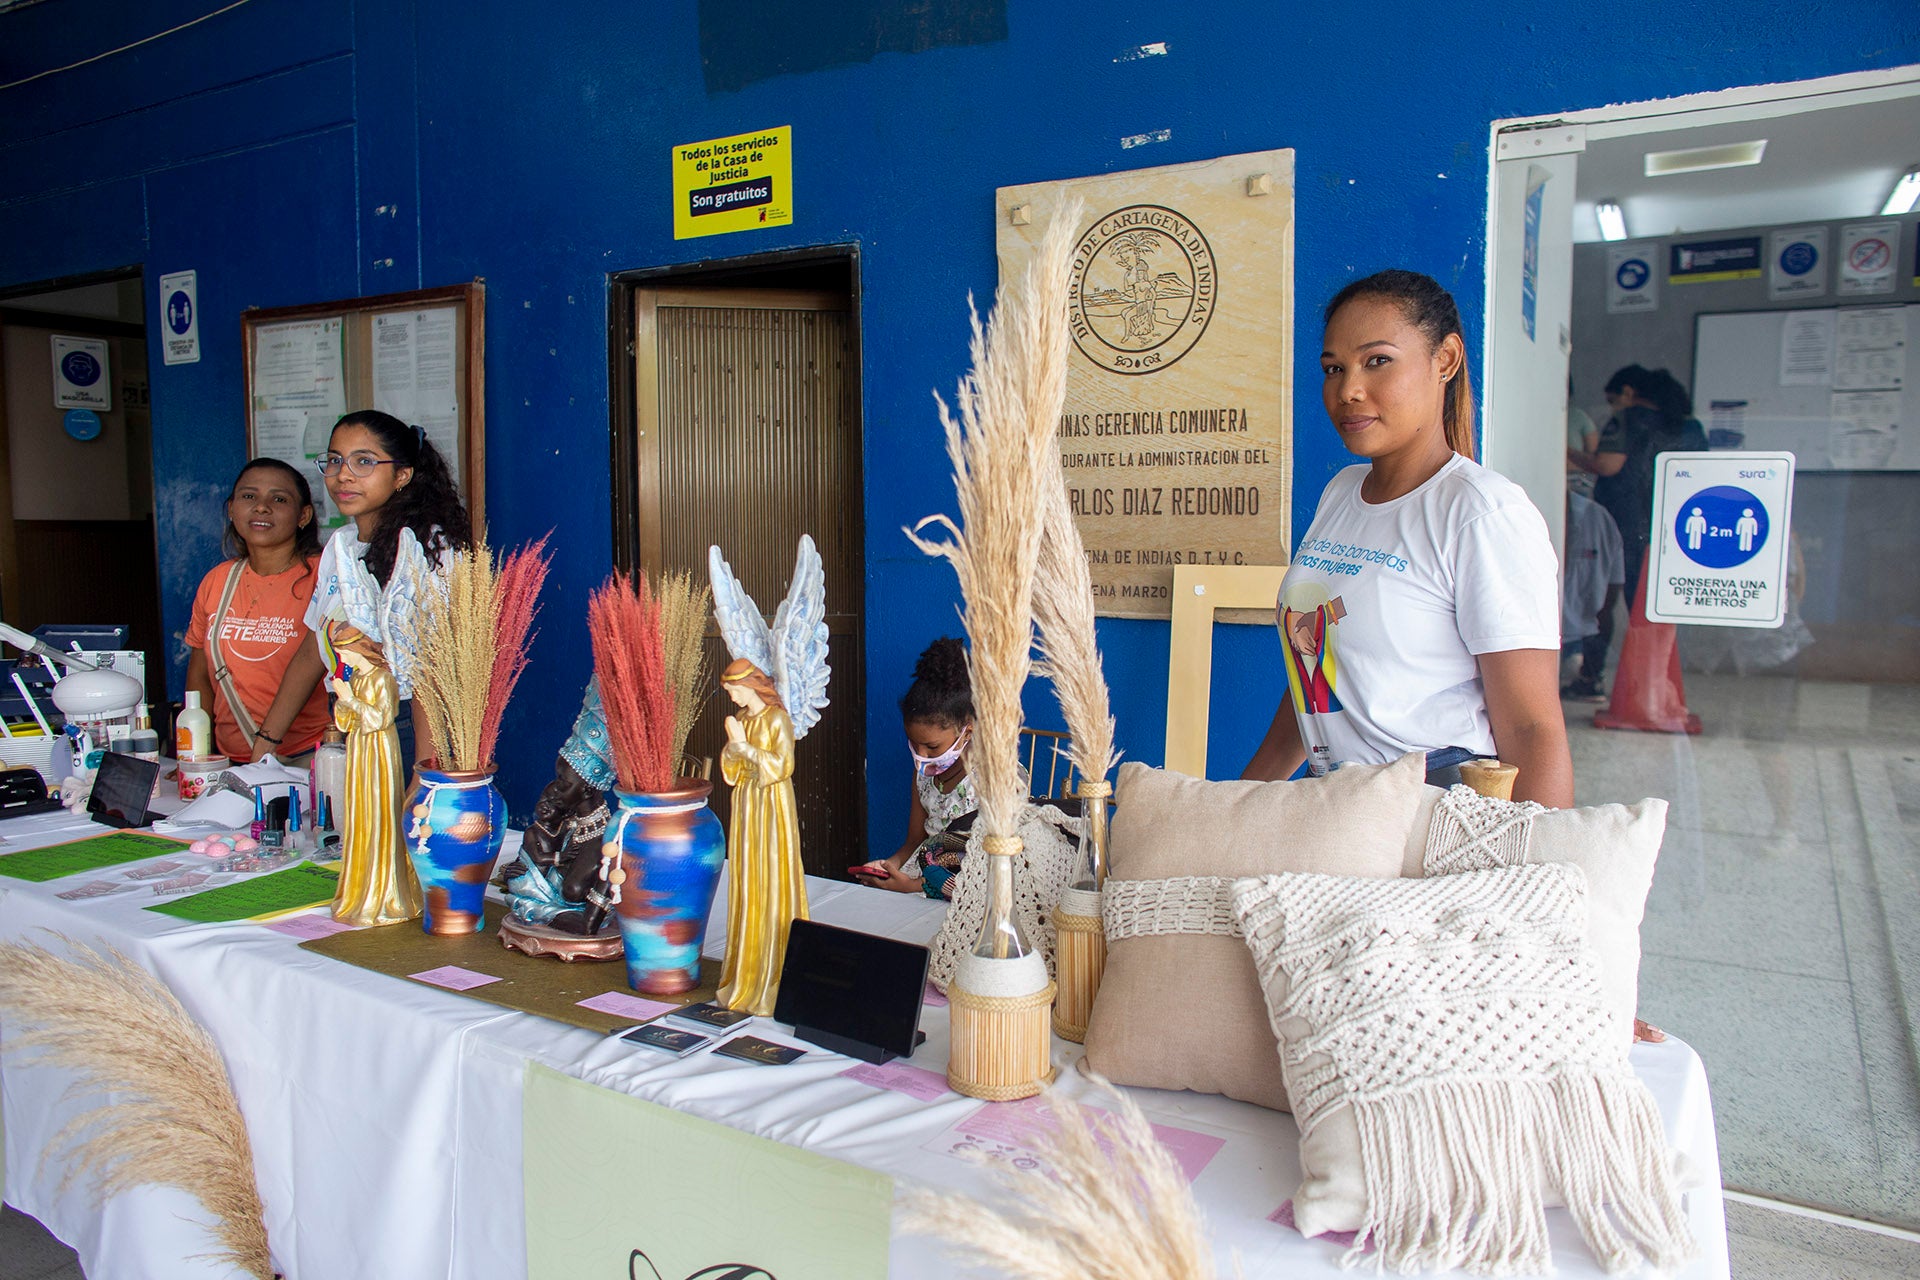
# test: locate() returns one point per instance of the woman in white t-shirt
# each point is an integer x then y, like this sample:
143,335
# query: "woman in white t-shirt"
1422,609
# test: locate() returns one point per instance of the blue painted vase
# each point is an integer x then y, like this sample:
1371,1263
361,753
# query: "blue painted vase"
457,823
671,850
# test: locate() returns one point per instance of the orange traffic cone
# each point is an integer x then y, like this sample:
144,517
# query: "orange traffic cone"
1647,693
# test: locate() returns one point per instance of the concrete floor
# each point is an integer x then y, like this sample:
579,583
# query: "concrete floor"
1784,925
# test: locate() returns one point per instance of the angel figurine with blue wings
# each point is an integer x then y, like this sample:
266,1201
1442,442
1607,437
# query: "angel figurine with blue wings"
778,680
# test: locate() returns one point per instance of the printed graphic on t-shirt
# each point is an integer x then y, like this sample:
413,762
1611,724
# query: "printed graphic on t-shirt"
1309,620
256,639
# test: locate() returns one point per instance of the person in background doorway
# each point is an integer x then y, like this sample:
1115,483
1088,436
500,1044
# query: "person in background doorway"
1582,439
1590,585
1426,616
1652,414
246,651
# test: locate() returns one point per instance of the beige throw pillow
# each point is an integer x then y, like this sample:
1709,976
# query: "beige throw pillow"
1455,1069
1615,844
1180,1005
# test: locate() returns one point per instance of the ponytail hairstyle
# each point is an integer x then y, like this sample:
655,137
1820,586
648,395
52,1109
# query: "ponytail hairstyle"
942,692
429,504
1670,397
1658,390
306,541
1431,310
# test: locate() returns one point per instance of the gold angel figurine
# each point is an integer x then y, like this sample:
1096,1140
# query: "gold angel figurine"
778,679
377,881
766,884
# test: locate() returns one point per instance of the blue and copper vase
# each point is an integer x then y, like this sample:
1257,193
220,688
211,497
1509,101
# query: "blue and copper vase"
671,849
457,821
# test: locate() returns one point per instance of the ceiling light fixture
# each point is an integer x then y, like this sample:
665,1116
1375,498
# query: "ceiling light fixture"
1904,195
1613,223
1728,155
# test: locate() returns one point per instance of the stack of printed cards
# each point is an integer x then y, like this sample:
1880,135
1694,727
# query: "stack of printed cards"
667,1039
714,1016
760,1052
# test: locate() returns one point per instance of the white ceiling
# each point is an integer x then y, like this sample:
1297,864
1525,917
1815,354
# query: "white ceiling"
1835,163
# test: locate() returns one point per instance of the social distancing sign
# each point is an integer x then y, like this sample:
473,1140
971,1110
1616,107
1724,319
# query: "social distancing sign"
1721,527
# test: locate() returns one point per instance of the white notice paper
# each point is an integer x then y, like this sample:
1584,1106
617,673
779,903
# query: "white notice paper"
1865,431
299,392
1806,349
1870,349
1867,251
414,375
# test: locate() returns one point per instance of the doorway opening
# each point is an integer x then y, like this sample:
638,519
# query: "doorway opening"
1779,935
736,423
77,541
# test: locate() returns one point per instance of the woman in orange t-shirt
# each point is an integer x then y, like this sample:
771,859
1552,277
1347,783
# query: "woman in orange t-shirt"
272,545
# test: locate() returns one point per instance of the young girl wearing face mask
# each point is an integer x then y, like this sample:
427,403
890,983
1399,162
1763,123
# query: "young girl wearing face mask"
938,716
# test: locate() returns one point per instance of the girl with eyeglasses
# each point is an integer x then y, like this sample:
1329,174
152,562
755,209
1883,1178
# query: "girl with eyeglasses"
403,511
247,633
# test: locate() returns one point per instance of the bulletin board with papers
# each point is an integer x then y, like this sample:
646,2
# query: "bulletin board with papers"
1827,384
419,356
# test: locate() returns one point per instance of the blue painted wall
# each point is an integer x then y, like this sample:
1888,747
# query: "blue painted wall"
529,145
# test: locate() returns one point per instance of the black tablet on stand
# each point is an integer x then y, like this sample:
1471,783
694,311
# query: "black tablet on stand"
122,789
854,993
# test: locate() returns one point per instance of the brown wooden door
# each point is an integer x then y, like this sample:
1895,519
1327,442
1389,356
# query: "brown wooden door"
749,437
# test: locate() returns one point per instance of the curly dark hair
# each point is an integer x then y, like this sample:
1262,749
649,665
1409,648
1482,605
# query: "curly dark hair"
429,504
306,541
942,691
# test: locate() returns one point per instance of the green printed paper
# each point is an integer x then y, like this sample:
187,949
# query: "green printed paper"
304,885
693,1194
90,854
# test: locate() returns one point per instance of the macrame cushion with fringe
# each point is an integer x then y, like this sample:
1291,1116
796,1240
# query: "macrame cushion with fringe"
1455,1067
1179,1005
1044,867
1615,844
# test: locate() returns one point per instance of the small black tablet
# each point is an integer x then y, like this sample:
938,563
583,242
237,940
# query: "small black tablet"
122,788
854,993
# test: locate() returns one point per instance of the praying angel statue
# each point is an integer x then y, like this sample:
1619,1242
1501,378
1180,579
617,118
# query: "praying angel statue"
778,683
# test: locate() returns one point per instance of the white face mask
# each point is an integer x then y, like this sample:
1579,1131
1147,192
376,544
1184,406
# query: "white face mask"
931,765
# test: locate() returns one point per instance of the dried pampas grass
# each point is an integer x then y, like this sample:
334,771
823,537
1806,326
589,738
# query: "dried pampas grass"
1000,437
168,1116
684,606
1069,647
629,660
1107,1201
471,630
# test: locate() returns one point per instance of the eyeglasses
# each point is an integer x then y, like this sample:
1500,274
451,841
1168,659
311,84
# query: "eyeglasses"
359,465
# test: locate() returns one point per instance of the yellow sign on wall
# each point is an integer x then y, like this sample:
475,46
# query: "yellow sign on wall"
733,184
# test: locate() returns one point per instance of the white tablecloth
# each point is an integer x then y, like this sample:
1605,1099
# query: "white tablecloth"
385,1114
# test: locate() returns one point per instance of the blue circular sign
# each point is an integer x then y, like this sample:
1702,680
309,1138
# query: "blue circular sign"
1632,274
1721,527
179,312
80,368
82,424
1798,258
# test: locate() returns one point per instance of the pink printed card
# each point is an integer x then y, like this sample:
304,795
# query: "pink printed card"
621,1005
454,978
307,928
900,1077
1024,1123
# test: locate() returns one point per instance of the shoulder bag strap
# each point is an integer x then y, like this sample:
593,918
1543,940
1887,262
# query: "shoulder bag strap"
217,663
